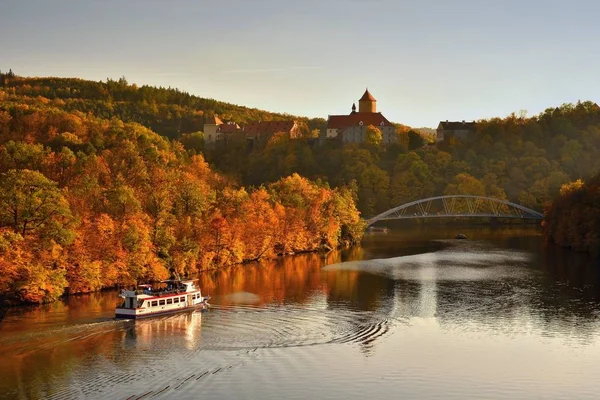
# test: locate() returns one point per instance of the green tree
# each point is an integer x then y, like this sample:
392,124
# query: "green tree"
373,135
30,202
415,140
465,184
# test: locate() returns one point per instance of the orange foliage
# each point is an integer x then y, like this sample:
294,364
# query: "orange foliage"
135,207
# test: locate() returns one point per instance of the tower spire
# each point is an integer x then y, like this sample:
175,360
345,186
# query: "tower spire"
353,107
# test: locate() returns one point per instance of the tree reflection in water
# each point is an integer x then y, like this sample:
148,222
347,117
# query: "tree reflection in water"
502,284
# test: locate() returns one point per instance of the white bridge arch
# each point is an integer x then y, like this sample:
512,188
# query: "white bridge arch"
458,206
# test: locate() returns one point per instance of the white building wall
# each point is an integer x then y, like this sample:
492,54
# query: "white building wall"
210,133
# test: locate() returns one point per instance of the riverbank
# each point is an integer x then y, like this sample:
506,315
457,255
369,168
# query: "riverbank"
101,250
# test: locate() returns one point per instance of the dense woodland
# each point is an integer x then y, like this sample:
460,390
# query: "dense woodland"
573,219
524,160
88,202
107,183
169,112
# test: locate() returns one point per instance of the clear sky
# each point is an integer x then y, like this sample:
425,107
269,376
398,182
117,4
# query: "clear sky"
423,60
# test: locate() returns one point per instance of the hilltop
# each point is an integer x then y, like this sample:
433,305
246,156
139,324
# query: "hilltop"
169,112
518,158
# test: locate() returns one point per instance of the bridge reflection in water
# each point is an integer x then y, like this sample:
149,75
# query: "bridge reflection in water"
458,206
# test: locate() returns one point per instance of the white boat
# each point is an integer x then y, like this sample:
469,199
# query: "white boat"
144,301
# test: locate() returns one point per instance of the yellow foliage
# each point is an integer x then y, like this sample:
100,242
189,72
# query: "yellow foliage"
571,187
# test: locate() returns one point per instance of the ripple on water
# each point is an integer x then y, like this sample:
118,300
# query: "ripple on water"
167,355
481,262
290,326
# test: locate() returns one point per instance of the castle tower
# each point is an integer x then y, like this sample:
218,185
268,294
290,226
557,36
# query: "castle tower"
367,103
211,129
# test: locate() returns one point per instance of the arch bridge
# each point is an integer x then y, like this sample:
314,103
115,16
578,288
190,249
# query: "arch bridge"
458,206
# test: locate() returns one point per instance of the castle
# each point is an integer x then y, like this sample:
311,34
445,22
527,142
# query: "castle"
352,128
216,130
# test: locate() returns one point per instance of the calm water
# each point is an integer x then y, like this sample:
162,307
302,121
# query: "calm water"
412,315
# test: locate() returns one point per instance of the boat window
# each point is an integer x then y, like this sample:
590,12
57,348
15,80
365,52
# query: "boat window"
141,304
176,300
169,301
182,299
154,303
161,302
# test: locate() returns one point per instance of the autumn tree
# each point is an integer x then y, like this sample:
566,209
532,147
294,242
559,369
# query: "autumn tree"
31,203
373,135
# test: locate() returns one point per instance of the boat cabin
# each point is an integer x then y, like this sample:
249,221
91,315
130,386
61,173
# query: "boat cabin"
170,296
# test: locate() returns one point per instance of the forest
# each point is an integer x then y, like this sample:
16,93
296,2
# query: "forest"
107,183
573,219
88,203
167,111
522,159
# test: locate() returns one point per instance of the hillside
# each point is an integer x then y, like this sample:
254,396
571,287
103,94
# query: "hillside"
88,203
169,112
524,160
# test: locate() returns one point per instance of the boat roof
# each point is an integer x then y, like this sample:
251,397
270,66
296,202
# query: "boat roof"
177,281
145,285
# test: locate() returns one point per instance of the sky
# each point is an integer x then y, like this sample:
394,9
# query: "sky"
423,60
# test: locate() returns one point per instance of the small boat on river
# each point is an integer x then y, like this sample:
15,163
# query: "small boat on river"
146,301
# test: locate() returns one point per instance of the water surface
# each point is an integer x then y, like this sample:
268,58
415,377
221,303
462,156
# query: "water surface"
412,314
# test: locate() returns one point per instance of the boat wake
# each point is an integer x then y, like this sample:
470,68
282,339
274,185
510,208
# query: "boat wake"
452,264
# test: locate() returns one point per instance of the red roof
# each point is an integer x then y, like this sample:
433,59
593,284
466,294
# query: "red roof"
268,127
230,127
354,119
367,96
214,120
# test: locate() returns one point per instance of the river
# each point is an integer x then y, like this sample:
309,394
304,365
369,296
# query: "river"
409,314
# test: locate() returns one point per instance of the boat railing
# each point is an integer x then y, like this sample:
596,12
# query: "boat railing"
160,292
